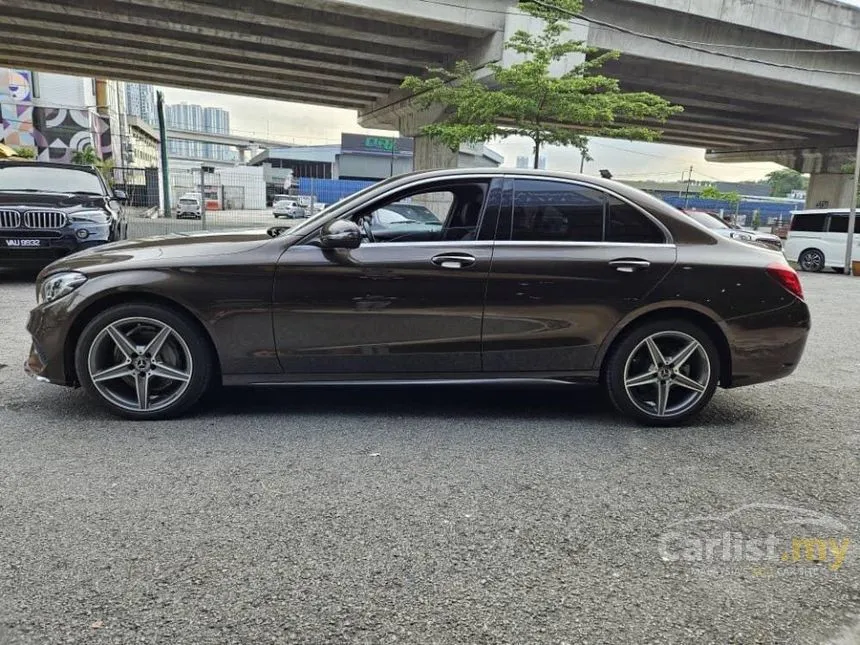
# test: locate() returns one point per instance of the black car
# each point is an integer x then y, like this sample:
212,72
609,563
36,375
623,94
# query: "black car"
49,210
527,275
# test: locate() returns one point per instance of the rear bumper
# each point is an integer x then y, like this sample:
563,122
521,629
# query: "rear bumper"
768,346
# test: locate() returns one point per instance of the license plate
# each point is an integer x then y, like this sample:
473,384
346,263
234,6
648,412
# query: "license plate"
22,244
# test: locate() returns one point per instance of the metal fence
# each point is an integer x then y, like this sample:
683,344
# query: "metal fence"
239,197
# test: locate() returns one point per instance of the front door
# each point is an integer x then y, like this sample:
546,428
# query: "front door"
408,301
570,262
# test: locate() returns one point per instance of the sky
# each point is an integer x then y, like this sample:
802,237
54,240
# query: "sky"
312,125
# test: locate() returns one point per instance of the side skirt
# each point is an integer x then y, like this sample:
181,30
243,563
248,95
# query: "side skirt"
566,378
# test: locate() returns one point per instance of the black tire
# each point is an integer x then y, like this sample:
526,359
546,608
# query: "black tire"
185,337
628,350
811,260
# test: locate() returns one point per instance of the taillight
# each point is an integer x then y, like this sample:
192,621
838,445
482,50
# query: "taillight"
787,277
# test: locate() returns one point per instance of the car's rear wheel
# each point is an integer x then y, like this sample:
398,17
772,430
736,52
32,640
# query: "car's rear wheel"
144,361
811,260
663,372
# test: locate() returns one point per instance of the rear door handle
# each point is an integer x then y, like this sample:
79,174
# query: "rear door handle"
629,265
453,260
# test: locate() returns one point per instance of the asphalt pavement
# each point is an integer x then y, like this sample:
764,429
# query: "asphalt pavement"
435,515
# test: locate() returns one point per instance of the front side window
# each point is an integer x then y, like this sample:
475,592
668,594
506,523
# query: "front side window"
552,211
443,213
839,224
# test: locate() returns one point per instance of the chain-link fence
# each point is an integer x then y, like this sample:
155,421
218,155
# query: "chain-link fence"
223,198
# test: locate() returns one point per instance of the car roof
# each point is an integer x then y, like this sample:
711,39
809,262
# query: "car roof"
822,211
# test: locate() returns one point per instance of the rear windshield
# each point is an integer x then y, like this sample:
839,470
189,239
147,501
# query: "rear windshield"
811,222
49,180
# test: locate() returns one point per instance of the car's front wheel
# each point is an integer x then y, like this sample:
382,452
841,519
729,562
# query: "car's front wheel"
663,372
811,260
144,361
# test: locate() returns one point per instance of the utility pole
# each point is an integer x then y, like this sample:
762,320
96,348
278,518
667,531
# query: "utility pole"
162,132
581,162
852,217
689,181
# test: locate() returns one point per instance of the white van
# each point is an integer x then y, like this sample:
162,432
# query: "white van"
816,239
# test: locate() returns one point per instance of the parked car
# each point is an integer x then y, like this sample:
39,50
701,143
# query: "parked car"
49,210
288,208
817,239
722,227
532,275
189,206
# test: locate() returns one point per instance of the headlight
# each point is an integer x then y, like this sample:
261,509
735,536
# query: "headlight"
94,217
59,285
744,237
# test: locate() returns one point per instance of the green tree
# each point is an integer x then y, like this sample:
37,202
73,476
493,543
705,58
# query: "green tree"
88,157
25,152
85,157
526,100
733,198
782,182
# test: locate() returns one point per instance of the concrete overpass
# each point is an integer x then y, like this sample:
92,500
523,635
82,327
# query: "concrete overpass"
225,139
760,79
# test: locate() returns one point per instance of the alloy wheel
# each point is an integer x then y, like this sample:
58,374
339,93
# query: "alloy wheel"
667,374
140,364
812,261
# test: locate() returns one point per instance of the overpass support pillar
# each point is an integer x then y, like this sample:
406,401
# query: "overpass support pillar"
829,190
430,155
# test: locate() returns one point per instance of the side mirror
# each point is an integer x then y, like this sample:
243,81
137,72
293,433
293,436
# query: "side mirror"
120,195
340,234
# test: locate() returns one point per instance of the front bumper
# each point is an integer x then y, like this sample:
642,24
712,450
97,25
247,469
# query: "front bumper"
47,360
29,246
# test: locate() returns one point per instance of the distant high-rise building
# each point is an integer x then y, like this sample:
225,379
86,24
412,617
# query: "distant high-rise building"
527,161
140,102
195,118
216,121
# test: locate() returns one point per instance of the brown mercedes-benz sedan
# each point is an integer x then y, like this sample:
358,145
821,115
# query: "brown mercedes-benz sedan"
500,275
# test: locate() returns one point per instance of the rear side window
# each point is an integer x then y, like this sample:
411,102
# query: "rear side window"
626,223
550,211
810,222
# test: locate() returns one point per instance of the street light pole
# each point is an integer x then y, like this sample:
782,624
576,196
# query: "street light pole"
165,174
689,181
852,217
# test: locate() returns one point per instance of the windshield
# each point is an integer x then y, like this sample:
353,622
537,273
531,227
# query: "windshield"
49,180
706,219
188,201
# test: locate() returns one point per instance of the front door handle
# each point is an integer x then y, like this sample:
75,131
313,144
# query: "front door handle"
629,265
453,260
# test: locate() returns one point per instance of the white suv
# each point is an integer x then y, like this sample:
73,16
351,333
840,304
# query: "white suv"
817,238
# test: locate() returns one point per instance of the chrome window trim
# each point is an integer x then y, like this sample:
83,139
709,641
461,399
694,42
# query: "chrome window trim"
605,191
508,243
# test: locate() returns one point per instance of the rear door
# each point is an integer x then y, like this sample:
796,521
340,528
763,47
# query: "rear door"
570,261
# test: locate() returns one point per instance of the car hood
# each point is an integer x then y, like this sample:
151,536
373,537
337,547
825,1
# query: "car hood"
59,201
183,249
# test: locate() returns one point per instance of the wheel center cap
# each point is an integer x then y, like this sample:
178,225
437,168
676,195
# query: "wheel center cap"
141,363
664,373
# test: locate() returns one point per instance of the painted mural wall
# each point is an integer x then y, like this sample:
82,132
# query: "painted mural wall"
55,132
